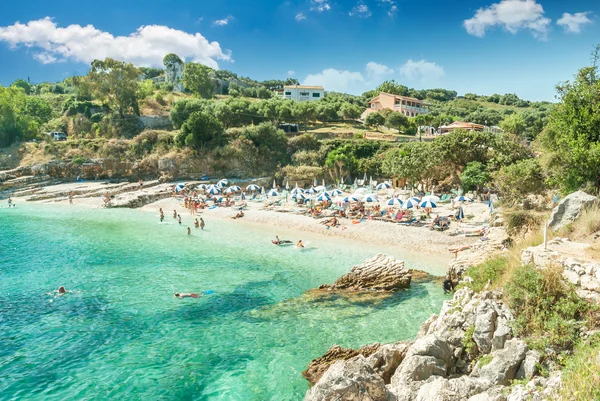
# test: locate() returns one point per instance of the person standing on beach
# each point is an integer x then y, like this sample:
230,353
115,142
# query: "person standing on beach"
71,197
9,202
174,213
141,184
196,223
201,223
179,219
189,231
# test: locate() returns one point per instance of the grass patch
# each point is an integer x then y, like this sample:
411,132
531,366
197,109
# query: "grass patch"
491,270
581,375
588,223
484,360
547,311
521,222
468,343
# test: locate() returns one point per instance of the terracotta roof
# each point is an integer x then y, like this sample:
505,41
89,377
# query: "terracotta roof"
303,87
412,99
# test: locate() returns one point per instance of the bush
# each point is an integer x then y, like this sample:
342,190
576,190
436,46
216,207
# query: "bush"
547,310
581,375
78,159
520,222
491,270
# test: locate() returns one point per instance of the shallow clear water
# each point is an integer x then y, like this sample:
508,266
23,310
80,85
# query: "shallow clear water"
120,333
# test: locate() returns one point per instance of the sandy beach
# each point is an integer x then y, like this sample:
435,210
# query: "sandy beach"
421,239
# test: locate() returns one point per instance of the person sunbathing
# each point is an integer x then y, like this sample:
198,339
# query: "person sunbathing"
455,251
239,215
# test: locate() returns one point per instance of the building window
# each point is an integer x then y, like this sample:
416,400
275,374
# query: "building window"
373,105
404,102
315,94
397,101
288,93
303,93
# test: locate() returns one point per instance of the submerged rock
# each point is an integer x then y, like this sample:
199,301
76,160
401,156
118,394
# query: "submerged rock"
382,273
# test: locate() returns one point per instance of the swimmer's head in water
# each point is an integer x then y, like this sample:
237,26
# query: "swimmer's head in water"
176,294
61,290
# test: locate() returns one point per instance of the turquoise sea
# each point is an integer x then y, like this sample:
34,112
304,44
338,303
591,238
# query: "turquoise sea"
121,334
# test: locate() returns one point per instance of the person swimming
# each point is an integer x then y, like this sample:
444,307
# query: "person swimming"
184,295
196,223
61,290
189,231
299,244
9,202
179,219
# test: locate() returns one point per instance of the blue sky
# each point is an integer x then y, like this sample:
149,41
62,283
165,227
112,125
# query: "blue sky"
481,46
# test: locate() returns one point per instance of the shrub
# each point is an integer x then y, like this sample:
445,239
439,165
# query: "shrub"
581,375
547,310
78,159
490,270
520,222
520,179
468,343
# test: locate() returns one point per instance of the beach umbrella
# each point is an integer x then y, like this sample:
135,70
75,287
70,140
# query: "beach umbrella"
274,184
431,198
228,191
370,198
324,197
351,199
462,198
360,191
235,188
213,190
320,188
253,187
394,202
298,195
315,182
273,192
297,190
311,190
287,185
335,192
222,183
179,187
203,186
383,185
410,203
415,199
428,204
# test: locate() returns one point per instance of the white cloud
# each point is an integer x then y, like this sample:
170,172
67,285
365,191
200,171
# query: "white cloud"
300,17
421,71
224,21
145,47
393,11
513,15
336,80
320,5
291,73
572,22
376,71
361,10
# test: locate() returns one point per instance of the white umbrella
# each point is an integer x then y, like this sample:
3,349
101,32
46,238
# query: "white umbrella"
273,192
253,187
415,198
298,195
383,185
335,192
463,199
235,188
287,185
431,198
297,190
311,190
179,187
320,188
428,204
370,199
323,197
228,191
222,183
410,203
360,191
213,190
351,199
274,184
394,202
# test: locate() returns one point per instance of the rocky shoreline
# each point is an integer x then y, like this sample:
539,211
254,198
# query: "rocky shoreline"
467,352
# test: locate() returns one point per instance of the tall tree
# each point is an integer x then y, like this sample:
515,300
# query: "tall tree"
201,130
115,84
196,79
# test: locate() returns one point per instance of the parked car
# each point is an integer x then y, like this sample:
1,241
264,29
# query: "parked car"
57,136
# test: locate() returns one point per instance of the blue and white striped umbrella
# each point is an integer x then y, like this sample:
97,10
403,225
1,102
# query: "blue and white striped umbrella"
235,188
351,199
228,191
415,198
203,186
335,192
298,196
410,203
179,187
253,187
273,192
428,204
222,183
213,190
370,199
394,202
311,190
462,199
383,185
297,190
324,197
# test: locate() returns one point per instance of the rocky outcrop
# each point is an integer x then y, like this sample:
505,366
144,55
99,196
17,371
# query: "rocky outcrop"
496,240
504,365
381,273
318,366
569,209
583,274
350,380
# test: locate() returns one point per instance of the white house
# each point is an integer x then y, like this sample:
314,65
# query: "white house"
302,93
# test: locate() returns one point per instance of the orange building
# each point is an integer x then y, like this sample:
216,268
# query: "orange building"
409,106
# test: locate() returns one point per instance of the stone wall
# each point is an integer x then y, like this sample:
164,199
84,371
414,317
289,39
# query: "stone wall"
156,122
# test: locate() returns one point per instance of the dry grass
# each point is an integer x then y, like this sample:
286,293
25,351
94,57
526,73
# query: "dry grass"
581,376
